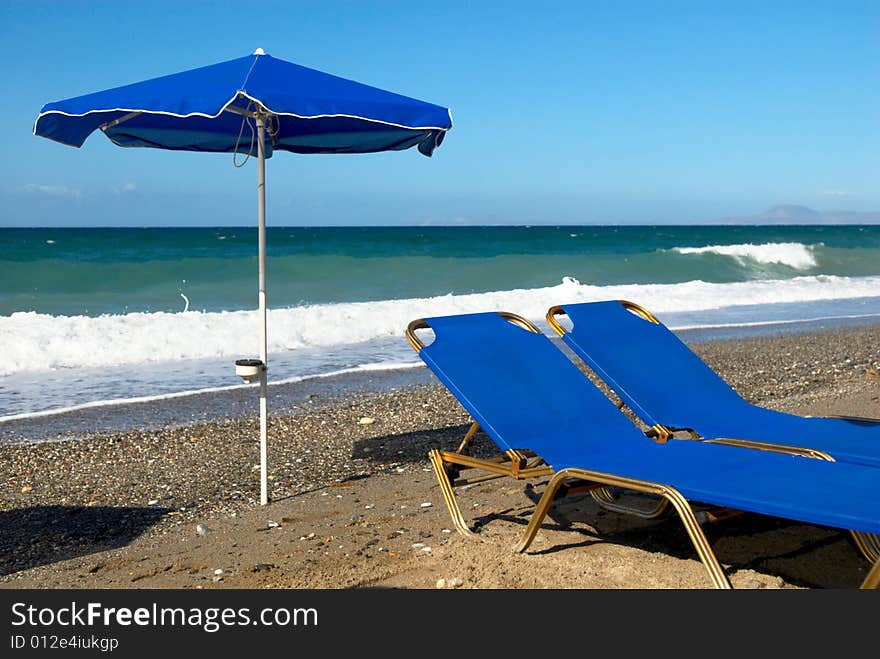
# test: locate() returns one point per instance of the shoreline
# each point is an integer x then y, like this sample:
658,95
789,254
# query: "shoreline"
192,408
74,509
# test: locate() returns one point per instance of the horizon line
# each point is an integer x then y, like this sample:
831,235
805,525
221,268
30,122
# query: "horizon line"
448,226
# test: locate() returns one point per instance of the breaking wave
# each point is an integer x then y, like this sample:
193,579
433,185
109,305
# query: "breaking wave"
39,342
794,255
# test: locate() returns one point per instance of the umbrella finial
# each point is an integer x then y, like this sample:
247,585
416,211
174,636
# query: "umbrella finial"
259,51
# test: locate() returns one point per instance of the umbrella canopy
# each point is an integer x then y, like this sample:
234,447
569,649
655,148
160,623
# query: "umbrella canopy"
255,105
200,110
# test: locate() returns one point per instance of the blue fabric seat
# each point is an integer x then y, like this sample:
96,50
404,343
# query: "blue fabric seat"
526,394
665,383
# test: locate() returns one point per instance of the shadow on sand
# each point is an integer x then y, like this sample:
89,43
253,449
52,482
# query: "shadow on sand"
413,447
802,554
40,535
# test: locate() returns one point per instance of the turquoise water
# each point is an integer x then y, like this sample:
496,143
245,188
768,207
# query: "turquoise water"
114,271
91,316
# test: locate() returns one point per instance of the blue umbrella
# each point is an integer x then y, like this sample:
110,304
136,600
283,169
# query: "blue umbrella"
252,105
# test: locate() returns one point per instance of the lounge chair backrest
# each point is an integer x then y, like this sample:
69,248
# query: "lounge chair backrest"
502,373
678,389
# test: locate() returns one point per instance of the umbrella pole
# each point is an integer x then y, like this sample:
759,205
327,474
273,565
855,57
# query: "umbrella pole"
261,239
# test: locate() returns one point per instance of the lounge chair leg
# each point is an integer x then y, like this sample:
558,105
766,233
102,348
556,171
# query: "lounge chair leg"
868,544
449,495
691,525
698,538
541,511
873,578
607,500
468,436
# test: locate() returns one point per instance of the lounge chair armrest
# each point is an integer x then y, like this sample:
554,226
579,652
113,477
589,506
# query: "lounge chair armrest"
639,311
555,325
559,310
772,448
420,323
416,343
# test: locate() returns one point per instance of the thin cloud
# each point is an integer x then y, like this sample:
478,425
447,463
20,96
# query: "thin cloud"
125,188
52,190
837,193
458,220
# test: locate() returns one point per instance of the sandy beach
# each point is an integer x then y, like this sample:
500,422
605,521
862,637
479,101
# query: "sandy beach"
355,504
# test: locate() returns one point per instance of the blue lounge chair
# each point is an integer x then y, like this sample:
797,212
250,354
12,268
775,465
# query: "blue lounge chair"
668,387
526,394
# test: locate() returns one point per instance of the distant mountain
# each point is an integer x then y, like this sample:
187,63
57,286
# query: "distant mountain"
793,214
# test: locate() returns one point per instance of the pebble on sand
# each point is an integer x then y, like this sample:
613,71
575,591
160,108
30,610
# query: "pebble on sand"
263,567
454,582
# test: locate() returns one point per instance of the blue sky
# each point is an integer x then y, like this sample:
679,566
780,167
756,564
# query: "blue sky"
583,112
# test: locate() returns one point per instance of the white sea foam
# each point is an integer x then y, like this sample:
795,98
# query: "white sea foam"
774,323
39,342
383,366
794,255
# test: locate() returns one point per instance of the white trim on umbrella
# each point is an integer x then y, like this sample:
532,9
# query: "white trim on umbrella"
226,107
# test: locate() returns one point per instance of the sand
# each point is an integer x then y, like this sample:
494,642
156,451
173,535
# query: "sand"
355,504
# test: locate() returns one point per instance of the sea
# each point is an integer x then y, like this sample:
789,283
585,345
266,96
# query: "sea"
94,318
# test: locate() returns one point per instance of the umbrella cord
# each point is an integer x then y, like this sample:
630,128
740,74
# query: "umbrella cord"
244,120
273,127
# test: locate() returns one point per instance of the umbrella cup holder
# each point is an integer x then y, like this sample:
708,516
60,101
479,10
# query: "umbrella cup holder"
249,370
